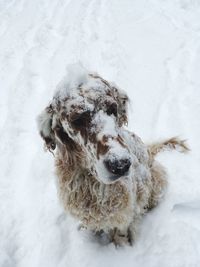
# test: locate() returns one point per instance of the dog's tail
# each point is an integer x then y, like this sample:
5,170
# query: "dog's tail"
173,143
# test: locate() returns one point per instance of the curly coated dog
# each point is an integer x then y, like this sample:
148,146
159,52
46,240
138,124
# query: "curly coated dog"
107,177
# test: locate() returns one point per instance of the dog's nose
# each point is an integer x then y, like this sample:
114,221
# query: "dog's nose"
118,166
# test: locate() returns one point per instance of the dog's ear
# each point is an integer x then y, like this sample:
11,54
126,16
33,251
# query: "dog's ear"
44,122
122,100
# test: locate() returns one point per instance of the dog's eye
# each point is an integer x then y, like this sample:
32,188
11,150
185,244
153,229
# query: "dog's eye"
112,109
81,120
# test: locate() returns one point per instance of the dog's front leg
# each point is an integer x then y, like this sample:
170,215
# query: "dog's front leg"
119,237
123,237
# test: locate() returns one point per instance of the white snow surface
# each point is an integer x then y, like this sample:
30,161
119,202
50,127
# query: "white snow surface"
149,48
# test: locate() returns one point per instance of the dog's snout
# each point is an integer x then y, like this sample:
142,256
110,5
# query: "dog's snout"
118,166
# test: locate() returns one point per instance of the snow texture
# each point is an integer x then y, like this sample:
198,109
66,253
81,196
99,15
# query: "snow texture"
149,48
76,75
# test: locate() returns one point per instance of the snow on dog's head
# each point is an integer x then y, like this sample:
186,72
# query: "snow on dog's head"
84,121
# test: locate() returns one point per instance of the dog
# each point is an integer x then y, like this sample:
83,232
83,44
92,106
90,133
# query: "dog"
107,177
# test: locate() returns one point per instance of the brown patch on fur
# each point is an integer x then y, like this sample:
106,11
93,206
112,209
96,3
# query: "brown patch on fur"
121,141
111,108
49,142
64,138
102,148
63,116
80,122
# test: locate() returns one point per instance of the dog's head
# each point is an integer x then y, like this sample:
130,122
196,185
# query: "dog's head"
85,118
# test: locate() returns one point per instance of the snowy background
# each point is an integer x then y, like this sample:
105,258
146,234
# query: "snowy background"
151,49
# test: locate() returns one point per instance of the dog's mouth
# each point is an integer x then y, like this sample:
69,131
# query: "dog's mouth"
114,178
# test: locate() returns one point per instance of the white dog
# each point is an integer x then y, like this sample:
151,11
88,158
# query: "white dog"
108,178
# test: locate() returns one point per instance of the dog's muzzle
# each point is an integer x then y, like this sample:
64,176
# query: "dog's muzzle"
117,167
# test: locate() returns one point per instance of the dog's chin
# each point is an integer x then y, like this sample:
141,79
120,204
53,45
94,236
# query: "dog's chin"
114,178
111,179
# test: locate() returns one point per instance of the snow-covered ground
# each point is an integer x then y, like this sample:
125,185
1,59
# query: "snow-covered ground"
151,49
